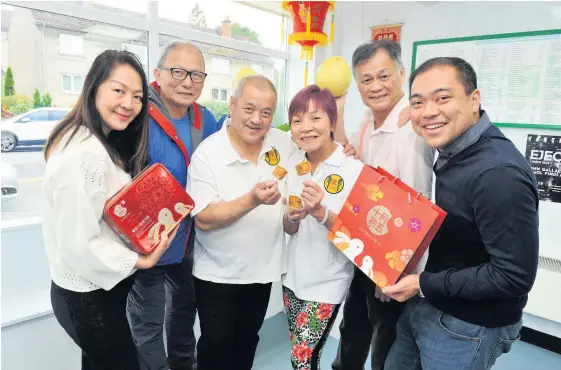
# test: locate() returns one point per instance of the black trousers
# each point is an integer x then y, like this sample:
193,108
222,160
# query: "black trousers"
97,323
230,316
368,324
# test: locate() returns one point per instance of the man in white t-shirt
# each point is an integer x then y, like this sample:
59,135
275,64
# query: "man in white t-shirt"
239,238
369,317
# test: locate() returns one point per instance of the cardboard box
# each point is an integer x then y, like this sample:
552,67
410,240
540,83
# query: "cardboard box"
385,226
152,204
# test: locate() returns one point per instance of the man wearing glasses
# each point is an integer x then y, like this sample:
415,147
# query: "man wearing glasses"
177,126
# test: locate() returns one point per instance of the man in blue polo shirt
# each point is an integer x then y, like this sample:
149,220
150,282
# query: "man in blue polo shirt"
177,126
465,309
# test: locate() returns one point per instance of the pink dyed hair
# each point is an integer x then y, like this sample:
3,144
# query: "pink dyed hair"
322,99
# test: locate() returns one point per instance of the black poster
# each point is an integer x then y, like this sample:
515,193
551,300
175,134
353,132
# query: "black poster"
543,152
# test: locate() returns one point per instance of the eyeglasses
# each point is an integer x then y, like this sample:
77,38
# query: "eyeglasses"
181,74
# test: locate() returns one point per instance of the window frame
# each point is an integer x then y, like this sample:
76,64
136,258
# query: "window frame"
136,47
219,93
151,25
154,29
217,64
15,312
65,53
73,89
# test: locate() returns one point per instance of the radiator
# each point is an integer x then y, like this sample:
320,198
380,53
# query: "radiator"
545,298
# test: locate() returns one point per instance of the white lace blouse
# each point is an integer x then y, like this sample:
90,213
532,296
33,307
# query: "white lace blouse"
83,252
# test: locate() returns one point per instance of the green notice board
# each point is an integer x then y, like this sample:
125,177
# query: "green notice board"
519,74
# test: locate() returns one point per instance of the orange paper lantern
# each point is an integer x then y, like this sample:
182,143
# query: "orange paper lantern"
308,18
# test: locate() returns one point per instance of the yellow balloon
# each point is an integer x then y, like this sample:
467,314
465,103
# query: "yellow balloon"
335,75
245,71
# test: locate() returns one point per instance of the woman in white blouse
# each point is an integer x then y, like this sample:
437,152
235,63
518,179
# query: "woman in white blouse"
91,155
318,275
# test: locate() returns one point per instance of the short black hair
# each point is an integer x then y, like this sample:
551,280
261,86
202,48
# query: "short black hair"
367,50
466,73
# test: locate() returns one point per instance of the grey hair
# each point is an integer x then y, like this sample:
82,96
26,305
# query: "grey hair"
367,50
251,79
178,44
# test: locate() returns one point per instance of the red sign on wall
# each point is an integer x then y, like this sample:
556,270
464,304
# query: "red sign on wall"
388,32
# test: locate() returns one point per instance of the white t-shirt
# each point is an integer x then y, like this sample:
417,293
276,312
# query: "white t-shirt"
316,270
251,249
84,253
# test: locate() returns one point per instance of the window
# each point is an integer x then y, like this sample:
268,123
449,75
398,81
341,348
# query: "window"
218,86
130,8
141,51
66,37
221,66
257,68
71,44
220,95
36,117
57,115
228,19
72,84
66,46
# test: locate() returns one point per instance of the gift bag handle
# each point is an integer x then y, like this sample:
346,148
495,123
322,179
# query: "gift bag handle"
409,199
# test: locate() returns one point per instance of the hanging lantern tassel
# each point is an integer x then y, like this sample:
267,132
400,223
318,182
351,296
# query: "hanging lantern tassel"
306,75
282,31
332,29
309,21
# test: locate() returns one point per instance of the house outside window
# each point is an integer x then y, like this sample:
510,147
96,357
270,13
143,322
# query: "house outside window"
221,66
72,84
141,51
71,44
220,95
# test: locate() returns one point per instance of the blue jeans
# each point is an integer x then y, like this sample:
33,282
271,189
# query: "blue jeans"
428,338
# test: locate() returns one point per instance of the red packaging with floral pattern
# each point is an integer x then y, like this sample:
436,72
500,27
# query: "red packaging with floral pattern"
385,226
152,204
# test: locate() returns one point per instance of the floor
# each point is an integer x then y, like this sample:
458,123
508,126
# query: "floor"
274,349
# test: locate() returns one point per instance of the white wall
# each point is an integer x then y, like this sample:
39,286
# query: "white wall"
438,20
429,21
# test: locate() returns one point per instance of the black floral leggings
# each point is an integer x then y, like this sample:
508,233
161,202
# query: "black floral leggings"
309,324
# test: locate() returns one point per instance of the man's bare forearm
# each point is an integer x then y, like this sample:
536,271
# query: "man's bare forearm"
339,132
223,214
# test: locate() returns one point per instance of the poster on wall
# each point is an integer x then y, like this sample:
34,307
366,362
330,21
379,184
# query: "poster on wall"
387,32
543,152
518,74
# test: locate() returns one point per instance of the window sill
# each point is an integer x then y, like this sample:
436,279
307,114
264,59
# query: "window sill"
20,223
29,307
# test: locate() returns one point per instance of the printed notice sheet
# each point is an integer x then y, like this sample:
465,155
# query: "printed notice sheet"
519,77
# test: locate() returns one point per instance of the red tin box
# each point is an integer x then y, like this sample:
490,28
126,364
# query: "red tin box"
153,203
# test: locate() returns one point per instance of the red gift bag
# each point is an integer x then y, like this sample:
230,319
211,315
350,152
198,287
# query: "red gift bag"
385,226
152,204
